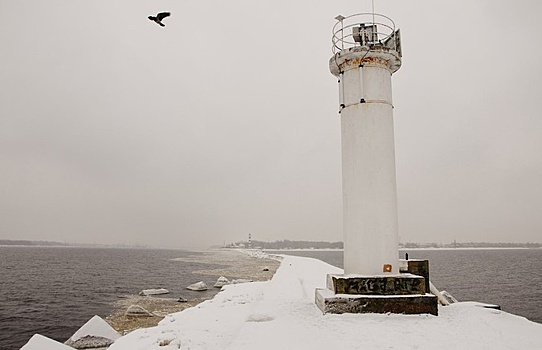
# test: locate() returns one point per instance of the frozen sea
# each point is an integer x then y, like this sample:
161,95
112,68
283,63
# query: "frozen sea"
511,278
55,290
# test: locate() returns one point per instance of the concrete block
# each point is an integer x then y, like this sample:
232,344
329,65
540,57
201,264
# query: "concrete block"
403,284
416,267
328,302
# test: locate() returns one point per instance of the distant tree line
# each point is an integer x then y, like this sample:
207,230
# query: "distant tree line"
21,242
28,243
470,245
287,244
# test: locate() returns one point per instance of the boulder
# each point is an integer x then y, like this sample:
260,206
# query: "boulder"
240,280
39,342
199,286
96,333
221,282
448,297
90,342
137,311
156,291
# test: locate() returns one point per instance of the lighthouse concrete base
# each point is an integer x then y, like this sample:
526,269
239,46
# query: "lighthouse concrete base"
329,302
402,284
405,293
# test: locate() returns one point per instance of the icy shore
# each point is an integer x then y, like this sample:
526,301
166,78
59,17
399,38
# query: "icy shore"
281,314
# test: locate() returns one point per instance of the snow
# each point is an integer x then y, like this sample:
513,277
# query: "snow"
221,282
95,327
155,291
39,342
449,298
137,311
241,280
199,286
441,298
281,314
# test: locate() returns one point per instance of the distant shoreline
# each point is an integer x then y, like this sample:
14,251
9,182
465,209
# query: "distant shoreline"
401,249
461,246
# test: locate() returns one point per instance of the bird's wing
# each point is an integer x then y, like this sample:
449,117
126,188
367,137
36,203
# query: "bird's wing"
163,15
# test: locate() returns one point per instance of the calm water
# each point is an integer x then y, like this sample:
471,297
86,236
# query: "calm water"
54,291
511,278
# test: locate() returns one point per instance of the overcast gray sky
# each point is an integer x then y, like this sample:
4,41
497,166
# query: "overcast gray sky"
224,123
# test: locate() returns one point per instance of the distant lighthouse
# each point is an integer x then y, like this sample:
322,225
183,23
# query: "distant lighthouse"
365,57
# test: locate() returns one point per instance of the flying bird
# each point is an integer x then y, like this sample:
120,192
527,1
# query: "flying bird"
159,17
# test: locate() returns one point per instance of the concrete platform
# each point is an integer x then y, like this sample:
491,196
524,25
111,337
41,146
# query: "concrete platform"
402,284
329,302
404,293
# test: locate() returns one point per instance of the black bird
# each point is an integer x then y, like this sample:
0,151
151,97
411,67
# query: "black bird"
159,17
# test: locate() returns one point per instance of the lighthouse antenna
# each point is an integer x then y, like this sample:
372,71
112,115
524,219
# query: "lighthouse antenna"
373,6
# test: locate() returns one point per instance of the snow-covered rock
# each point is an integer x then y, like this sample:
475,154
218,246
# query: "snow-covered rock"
39,342
450,298
89,342
156,291
137,311
96,333
221,282
240,280
199,286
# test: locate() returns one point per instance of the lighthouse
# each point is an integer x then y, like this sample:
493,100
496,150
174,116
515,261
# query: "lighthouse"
367,51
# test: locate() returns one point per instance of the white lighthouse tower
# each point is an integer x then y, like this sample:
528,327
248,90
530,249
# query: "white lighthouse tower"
366,52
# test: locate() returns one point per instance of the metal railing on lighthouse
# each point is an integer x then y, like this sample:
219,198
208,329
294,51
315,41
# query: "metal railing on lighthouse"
365,29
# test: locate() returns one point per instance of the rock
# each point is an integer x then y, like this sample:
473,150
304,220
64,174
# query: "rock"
265,269
90,342
137,311
182,300
490,306
96,333
156,291
240,280
448,297
39,342
199,286
221,282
